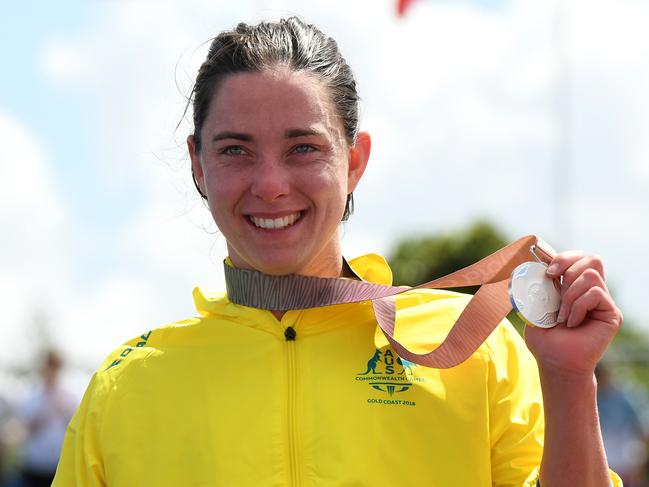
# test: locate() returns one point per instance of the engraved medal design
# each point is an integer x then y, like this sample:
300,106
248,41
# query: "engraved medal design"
534,295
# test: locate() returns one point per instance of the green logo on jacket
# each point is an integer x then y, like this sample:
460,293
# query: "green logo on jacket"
388,373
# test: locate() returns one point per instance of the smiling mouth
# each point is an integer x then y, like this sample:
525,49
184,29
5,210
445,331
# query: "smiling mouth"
275,223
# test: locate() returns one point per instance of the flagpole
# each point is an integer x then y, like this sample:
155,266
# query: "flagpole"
563,173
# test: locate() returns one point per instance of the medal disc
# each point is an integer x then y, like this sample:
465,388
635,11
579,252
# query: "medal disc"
534,295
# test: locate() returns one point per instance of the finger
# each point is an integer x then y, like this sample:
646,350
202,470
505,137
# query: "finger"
613,317
593,300
588,279
563,261
578,267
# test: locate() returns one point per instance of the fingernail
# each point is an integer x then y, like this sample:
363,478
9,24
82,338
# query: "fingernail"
553,269
562,316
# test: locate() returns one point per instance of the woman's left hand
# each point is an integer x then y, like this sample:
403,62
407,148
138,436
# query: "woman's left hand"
588,318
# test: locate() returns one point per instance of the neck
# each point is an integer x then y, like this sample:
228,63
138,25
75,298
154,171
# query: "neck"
345,271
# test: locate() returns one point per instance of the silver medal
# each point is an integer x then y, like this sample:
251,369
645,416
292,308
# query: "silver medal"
534,295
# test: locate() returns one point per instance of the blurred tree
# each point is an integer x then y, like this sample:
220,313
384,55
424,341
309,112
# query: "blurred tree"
422,259
629,353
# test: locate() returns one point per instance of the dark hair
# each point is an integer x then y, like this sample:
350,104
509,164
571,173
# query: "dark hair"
288,42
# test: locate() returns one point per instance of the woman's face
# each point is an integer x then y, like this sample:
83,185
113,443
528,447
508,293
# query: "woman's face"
276,169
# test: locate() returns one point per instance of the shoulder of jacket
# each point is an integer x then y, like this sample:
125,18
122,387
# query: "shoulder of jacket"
134,352
505,347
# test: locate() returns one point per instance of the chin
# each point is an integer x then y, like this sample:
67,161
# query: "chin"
277,267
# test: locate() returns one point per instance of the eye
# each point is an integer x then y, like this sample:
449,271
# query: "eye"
304,148
232,150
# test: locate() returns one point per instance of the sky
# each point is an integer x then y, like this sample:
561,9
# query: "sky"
533,115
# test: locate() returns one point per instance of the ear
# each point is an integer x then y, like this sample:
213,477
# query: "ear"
197,168
359,154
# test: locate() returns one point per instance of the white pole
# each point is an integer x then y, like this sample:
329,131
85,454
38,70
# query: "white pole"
563,171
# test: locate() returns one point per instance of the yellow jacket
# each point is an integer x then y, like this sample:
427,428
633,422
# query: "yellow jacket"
237,398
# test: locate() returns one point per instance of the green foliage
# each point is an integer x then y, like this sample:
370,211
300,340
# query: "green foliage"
629,355
423,259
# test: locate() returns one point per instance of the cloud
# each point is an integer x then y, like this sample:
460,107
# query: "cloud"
28,189
457,99
62,61
34,243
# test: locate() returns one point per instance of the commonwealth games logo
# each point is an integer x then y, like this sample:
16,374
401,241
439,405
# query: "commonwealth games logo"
389,373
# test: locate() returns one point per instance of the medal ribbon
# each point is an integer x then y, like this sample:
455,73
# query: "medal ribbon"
486,309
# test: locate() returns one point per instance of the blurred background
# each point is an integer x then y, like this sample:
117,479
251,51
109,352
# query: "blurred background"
490,119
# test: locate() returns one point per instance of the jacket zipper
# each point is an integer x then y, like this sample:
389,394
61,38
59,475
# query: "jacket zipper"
294,473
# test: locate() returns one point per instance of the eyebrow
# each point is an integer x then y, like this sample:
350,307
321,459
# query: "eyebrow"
289,134
292,133
231,135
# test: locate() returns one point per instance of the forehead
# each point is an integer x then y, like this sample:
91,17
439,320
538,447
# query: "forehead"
272,99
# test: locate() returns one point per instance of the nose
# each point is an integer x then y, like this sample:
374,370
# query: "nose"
270,180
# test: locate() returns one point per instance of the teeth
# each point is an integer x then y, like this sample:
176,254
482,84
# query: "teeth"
275,222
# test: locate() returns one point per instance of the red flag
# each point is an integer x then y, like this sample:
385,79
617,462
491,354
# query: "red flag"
402,5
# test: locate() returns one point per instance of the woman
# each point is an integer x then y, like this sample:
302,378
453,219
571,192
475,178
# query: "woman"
244,396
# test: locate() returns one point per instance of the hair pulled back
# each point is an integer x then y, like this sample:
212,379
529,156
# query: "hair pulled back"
289,42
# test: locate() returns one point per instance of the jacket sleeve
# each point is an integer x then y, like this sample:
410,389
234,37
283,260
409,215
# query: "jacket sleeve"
516,424
516,419
80,464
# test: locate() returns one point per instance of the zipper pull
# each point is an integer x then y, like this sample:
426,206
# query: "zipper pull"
290,333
